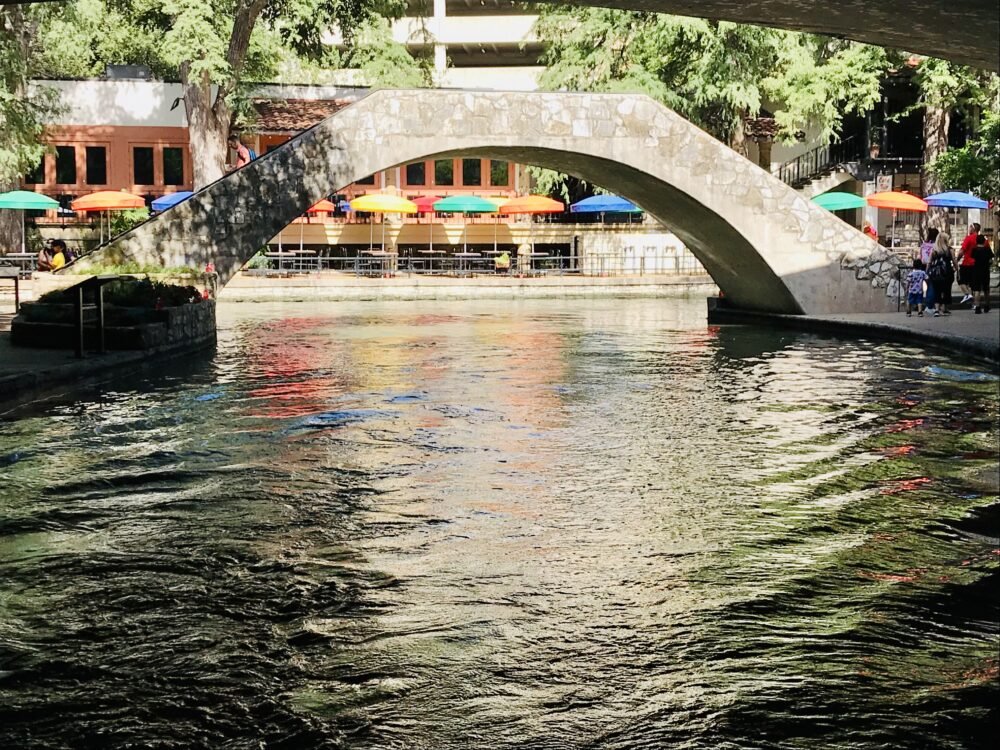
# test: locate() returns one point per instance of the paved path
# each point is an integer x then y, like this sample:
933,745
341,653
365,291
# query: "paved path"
962,332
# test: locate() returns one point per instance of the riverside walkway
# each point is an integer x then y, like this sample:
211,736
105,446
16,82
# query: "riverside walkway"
962,333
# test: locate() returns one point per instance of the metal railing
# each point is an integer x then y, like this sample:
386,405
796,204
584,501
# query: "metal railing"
487,263
820,160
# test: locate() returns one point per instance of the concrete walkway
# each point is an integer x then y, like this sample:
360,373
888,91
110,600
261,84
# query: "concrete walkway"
962,332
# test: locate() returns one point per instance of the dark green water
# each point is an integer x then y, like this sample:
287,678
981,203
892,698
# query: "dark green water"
581,524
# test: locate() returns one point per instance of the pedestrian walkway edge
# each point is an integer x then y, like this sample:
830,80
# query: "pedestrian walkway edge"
975,348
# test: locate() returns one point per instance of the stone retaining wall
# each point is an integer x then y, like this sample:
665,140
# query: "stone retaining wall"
51,327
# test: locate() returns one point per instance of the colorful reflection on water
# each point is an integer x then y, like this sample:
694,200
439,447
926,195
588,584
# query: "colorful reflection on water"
572,524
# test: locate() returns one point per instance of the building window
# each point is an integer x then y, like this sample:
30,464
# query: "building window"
416,173
173,165
499,173
66,165
369,180
142,165
97,165
37,175
444,172
472,172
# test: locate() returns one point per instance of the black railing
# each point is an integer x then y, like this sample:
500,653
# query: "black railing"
820,161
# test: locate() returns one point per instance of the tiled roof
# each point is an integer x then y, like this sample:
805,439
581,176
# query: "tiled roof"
293,115
761,128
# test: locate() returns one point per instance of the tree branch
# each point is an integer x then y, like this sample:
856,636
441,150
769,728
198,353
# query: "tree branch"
239,42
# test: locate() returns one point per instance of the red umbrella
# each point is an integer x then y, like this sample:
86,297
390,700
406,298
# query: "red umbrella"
425,205
323,207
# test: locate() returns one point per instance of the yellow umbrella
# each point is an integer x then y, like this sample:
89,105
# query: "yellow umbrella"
383,203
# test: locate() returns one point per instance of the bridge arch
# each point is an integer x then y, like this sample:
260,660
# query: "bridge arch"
765,246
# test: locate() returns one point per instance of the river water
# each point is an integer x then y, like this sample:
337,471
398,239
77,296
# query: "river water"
546,524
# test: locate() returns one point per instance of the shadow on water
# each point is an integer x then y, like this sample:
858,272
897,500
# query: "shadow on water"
593,524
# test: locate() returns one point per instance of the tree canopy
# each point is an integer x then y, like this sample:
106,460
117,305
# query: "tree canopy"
716,74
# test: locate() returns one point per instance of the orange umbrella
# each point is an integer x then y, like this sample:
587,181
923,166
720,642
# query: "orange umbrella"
532,204
897,201
108,200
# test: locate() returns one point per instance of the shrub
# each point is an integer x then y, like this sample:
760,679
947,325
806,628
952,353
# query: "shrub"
122,221
132,292
134,268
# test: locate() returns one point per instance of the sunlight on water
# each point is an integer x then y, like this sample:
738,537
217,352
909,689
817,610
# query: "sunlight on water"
544,524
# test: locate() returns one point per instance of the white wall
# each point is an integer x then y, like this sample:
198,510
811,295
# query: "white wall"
134,103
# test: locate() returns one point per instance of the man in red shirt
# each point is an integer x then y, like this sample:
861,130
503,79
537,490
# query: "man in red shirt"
966,262
243,154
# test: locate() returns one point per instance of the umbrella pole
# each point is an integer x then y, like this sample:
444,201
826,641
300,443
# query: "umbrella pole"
23,232
383,233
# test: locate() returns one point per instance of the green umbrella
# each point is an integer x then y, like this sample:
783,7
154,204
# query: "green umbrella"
465,204
25,200
839,201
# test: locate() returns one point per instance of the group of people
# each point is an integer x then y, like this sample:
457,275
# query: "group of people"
935,268
54,255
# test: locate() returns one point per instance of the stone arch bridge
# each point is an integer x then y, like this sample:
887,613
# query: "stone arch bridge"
765,246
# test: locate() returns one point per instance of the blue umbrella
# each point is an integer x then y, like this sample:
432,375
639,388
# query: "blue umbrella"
604,204
955,200
171,200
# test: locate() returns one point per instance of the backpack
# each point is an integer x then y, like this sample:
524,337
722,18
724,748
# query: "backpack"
938,272
253,154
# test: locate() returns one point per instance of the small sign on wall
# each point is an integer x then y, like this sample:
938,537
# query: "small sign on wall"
883,183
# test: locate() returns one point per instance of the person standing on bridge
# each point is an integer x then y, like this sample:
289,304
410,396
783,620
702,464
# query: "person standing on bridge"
243,154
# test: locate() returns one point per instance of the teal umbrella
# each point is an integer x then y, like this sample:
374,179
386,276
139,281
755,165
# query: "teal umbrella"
465,204
839,201
25,200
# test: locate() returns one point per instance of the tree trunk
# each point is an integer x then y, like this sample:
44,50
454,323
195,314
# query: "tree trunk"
936,121
14,30
207,131
209,117
738,139
764,154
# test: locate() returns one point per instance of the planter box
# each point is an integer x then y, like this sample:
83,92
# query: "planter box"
53,327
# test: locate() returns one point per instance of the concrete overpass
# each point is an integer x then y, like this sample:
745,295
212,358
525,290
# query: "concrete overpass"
765,246
966,31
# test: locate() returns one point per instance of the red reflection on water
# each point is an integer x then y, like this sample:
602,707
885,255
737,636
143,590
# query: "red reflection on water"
905,424
898,486
911,575
898,450
288,355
